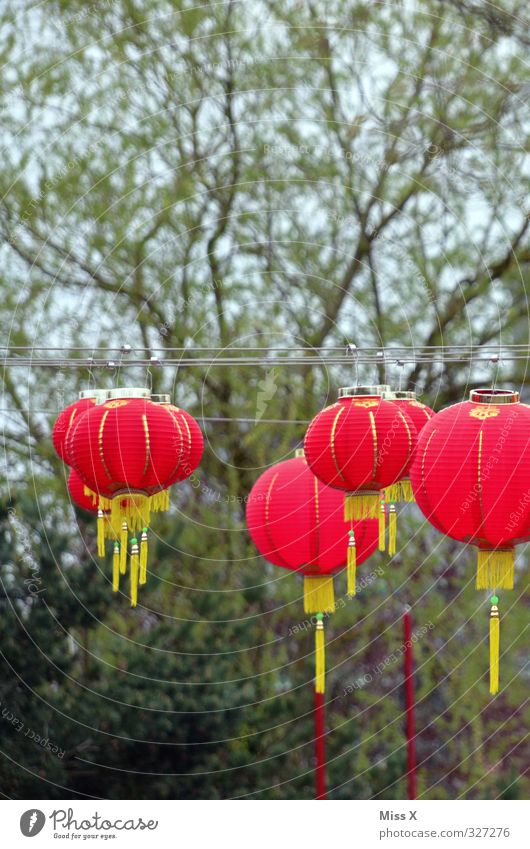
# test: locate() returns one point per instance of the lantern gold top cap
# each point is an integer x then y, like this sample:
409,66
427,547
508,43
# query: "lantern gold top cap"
400,395
299,452
494,396
161,399
99,395
377,390
126,392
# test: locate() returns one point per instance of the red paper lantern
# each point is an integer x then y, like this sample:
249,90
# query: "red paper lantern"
470,477
130,450
361,445
297,522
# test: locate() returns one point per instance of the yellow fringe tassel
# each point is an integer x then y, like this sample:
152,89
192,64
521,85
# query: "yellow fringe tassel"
116,567
495,569
160,501
406,491
124,532
400,491
392,529
495,636
101,533
93,495
320,656
135,563
143,557
361,505
319,595
382,526
352,566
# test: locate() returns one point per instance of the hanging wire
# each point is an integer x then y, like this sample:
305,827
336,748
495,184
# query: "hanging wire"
50,357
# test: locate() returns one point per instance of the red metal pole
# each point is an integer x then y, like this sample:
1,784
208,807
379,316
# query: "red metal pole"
409,705
320,747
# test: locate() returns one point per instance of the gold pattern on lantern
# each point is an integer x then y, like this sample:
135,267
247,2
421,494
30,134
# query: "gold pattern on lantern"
365,403
117,403
484,412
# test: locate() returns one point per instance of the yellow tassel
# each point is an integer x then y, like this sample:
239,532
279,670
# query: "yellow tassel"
143,556
320,656
406,491
123,548
101,533
133,508
400,491
319,595
382,526
352,565
135,563
160,501
361,505
495,569
116,567
392,529
93,495
495,636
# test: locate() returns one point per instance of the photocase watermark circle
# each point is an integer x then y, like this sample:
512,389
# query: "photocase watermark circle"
32,822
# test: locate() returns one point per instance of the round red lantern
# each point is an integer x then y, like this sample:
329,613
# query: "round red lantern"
130,450
470,478
361,445
297,522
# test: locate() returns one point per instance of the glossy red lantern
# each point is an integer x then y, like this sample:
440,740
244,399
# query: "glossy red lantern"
360,445
470,477
130,450
298,523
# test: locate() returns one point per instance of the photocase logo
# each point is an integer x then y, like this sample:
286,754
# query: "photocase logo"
31,822
267,391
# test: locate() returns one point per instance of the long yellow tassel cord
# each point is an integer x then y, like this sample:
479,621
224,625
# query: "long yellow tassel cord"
135,563
144,549
495,569
320,655
392,529
352,565
123,548
116,567
101,533
495,637
382,526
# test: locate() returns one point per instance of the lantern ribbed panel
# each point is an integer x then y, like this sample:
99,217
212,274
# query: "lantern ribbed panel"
129,444
66,419
361,443
418,413
192,439
471,473
297,522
